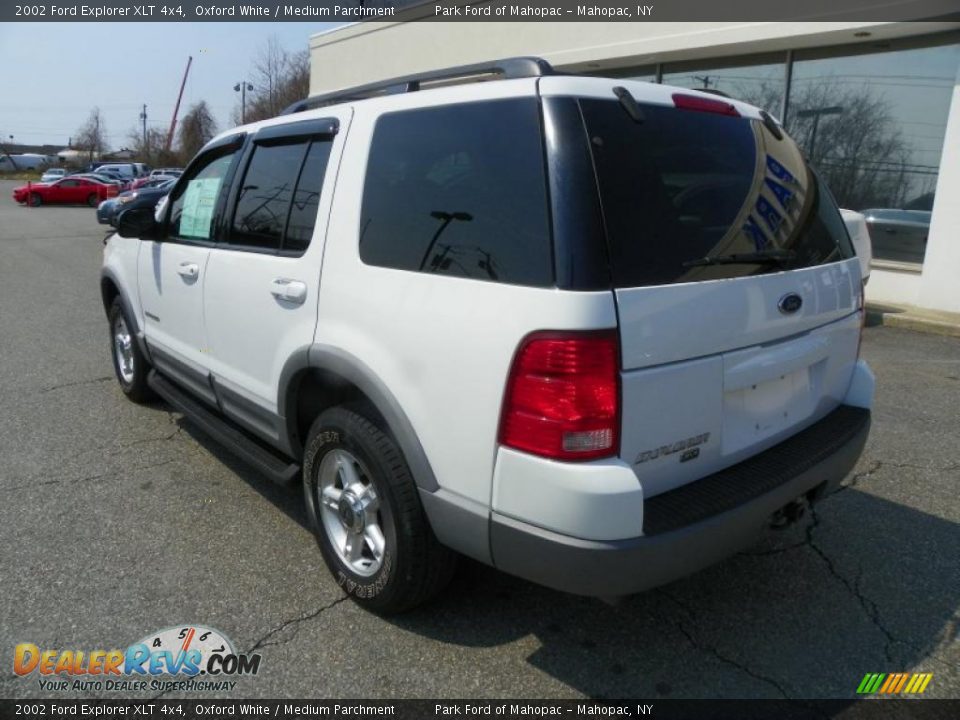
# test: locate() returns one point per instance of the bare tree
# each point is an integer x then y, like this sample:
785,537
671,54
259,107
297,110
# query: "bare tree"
859,148
279,78
151,149
92,135
196,129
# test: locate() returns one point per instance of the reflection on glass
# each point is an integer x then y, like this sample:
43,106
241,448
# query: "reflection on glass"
874,126
758,84
646,73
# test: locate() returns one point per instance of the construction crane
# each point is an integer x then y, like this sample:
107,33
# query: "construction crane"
176,108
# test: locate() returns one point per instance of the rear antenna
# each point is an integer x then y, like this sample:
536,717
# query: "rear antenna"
629,104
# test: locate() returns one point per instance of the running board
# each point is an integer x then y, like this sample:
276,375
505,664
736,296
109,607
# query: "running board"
268,462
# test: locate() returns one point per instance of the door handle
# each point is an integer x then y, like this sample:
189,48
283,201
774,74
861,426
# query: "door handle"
292,291
188,270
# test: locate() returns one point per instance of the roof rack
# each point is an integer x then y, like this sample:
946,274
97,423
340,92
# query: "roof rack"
505,69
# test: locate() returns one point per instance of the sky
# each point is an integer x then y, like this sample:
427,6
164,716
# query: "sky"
53,74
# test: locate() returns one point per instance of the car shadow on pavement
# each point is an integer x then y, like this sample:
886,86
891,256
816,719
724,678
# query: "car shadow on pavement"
863,585
859,585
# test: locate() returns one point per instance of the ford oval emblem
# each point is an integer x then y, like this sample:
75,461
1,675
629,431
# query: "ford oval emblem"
790,303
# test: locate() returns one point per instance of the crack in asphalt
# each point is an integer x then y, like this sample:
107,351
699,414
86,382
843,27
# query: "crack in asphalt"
264,641
712,650
86,478
869,606
77,383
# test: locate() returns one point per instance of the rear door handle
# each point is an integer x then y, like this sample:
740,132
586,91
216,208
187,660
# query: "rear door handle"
292,291
188,270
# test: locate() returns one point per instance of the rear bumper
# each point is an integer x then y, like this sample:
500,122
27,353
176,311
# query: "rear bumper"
693,526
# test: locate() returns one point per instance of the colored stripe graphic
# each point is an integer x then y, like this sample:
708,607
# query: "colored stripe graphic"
871,683
894,683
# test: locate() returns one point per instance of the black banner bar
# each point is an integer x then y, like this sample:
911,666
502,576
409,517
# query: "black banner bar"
878,709
482,11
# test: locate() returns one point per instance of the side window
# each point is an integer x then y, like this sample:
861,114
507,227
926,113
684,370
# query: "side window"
460,190
306,198
195,201
265,193
69,183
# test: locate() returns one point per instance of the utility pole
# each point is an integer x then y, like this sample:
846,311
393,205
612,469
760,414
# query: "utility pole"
143,119
705,79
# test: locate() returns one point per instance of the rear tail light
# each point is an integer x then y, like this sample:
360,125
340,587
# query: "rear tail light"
703,104
563,396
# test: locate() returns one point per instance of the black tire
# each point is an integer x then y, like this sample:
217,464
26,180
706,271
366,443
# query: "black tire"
414,566
134,386
35,200
93,200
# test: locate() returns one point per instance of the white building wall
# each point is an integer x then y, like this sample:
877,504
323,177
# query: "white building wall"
940,281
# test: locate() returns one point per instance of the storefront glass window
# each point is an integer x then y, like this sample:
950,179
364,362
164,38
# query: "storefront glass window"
873,125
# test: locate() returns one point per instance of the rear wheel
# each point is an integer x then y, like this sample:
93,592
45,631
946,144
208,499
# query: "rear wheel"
36,200
93,199
129,364
366,515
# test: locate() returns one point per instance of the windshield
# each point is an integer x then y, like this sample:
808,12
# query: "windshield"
689,196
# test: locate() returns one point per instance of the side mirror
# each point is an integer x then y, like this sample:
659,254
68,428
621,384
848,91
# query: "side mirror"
138,223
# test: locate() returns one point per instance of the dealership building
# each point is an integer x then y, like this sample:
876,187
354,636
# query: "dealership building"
875,105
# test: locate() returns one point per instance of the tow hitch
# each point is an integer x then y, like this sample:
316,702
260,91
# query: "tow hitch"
789,513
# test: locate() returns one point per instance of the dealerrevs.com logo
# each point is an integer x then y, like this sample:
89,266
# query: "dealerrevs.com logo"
203,659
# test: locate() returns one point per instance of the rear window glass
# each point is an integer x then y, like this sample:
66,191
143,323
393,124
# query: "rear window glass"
682,186
459,190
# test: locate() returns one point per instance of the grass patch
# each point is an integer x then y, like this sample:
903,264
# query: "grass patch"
22,175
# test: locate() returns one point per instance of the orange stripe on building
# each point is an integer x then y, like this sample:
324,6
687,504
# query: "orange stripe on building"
887,684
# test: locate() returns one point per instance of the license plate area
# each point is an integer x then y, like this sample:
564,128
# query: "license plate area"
766,408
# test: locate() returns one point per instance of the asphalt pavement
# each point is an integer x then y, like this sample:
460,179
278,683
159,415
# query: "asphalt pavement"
117,520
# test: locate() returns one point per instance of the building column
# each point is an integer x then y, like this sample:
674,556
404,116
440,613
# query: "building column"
940,279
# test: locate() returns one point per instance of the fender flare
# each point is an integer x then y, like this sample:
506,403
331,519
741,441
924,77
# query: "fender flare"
108,274
355,371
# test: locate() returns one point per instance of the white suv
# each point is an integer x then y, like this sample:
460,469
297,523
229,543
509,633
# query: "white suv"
595,333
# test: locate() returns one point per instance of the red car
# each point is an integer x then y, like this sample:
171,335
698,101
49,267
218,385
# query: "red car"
68,190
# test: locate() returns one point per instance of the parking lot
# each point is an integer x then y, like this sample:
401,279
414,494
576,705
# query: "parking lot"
118,520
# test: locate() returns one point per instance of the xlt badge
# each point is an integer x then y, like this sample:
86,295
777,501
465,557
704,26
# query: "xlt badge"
676,447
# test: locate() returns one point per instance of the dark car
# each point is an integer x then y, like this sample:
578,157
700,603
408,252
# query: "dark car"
109,210
899,235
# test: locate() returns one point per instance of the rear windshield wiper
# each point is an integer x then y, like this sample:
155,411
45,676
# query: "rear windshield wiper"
769,257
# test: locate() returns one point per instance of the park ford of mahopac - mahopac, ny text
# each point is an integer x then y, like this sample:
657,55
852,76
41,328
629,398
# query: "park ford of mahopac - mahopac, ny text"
531,11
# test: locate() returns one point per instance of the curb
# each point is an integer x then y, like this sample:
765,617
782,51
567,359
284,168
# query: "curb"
909,318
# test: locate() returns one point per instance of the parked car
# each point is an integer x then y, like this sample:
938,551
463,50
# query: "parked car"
594,332
148,197
69,190
172,172
860,236
53,174
108,179
899,235
128,171
151,181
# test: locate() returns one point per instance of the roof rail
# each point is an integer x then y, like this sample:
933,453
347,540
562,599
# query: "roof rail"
505,69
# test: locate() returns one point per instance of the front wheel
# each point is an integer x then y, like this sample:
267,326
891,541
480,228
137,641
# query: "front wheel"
93,200
367,517
129,363
35,200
